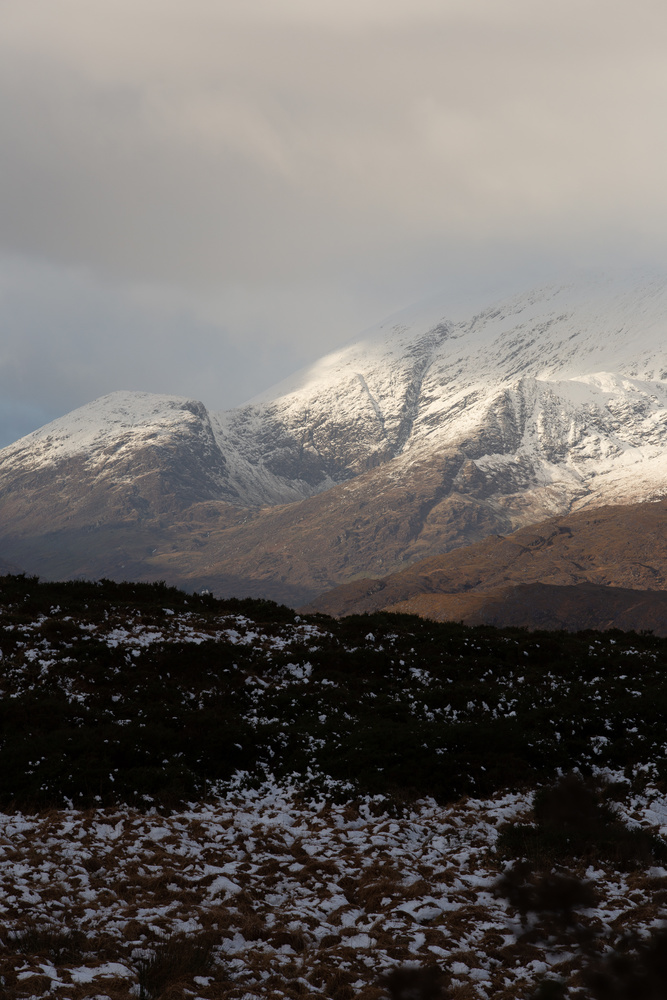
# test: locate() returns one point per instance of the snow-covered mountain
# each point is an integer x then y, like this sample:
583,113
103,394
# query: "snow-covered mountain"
548,401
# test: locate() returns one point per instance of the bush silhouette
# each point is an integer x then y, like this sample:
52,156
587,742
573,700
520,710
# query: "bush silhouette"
574,821
635,971
171,961
426,983
554,892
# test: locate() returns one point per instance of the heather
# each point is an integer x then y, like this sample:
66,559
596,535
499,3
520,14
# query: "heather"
226,799
143,694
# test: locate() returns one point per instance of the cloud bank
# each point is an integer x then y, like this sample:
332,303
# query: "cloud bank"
248,184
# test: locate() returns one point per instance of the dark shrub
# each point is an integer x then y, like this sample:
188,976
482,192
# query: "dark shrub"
427,983
172,960
636,971
48,941
573,821
554,892
550,989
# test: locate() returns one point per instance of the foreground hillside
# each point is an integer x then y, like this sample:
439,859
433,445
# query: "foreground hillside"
265,895
214,799
141,694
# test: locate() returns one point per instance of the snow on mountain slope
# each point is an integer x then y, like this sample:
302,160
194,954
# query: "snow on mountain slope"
107,426
108,434
560,390
552,388
125,438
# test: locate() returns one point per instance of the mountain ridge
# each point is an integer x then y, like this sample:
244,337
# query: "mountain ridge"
427,435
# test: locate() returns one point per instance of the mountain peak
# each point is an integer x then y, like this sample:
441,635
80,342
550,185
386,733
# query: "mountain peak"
430,432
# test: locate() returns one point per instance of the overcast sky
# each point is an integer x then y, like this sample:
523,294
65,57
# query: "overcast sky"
199,196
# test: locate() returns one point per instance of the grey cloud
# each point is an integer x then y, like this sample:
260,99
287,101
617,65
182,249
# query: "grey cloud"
243,181
262,149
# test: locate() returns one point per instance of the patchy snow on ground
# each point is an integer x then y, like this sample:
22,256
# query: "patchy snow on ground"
296,899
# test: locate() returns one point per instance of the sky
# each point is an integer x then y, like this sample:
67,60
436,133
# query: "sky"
198,197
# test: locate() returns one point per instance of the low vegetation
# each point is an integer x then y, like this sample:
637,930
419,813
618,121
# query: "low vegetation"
146,695
574,819
172,962
227,799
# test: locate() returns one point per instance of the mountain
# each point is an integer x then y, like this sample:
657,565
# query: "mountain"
433,432
601,569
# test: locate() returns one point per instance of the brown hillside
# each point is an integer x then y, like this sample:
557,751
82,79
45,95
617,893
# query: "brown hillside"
543,606
74,524
610,547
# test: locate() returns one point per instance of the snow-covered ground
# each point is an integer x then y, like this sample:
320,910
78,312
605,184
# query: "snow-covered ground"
298,898
295,895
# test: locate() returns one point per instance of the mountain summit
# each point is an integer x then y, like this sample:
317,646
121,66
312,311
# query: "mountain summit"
430,433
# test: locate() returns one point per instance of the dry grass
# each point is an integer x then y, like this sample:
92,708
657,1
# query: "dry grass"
261,900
